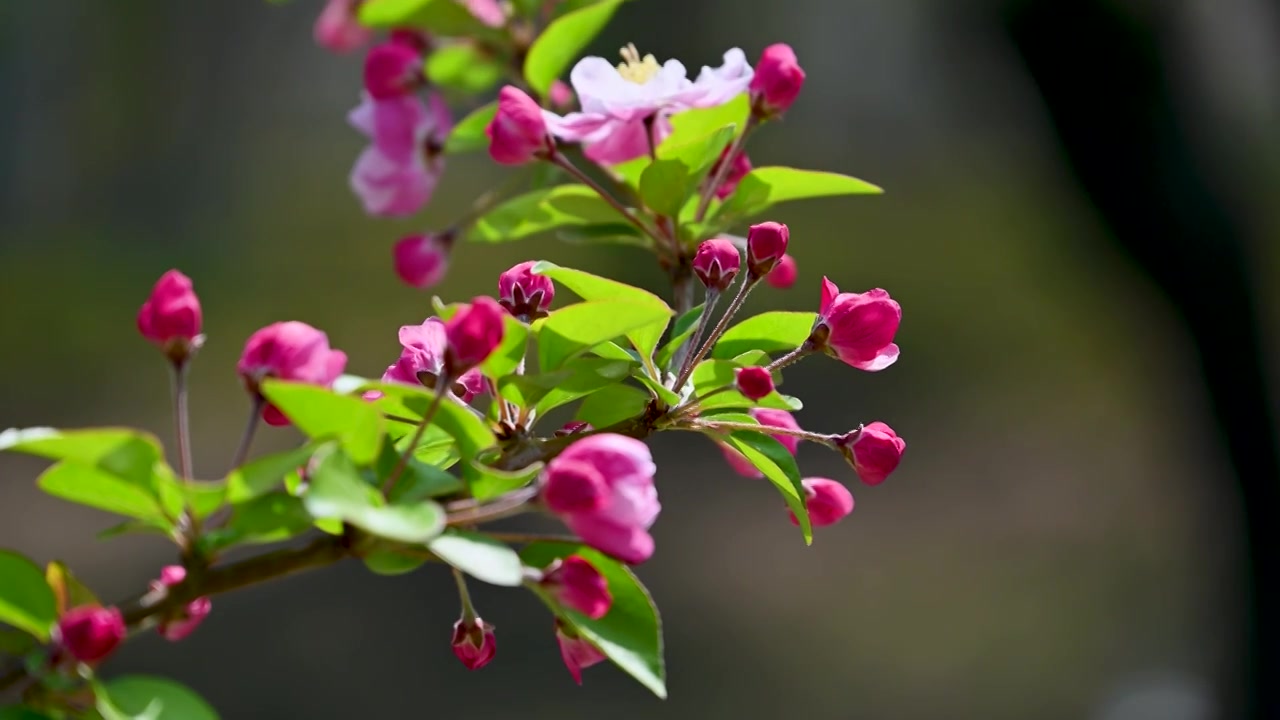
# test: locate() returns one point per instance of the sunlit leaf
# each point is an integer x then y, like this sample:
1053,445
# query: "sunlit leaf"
770,331
774,460
562,41
480,556
323,414
26,600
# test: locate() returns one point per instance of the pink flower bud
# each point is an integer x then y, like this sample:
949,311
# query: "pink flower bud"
767,418
488,12
602,487
754,382
738,170
574,427
392,69
716,263
783,276
90,633
338,30
289,351
766,244
577,585
421,362
474,642
524,294
185,622
778,79
471,335
518,132
560,95
857,328
826,500
171,317
576,652
874,452
421,260
418,41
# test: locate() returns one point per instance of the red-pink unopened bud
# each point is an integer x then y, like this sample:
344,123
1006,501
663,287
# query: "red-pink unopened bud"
826,500
474,642
337,28
777,80
574,427
767,417
525,294
90,633
184,622
489,12
874,452
738,170
292,351
576,652
716,263
417,40
574,487
518,132
754,382
766,245
560,95
171,316
472,334
577,585
857,328
783,276
422,260
392,69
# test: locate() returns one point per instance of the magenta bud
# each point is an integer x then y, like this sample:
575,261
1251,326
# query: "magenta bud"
474,642
184,622
574,427
574,487
392,69
857,328
577,585
738,170
577,653
766,244
337,28
471,335
826,500
518,132
90,633
754,382
523,293
171,316
289,351
422,260
716,263
783,275
874,451
777,81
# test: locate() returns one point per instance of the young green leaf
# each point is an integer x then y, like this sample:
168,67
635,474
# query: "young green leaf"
267,518
507,357
765,187
390,561
489,482
337,490
480,556
611,405
712,374
771,458
264,474
323,414
447,18
132,695
575,329
691,125
99,489
418,481
770,331
562,41
468,134
462,67
67,590
607,233
680,334
542,210
19,712
26,600
665,185
593,287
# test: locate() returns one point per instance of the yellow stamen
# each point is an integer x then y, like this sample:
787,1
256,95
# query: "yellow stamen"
635,69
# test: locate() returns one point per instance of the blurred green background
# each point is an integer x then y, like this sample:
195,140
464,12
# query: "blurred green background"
1058,542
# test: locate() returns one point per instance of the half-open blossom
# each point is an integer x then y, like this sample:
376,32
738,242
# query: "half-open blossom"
826,500
858,328
767,417
337,28
474,642
524,293
874,451
753,381
602,487
518,132
171,316
737,170
766,245
577,653
620,103
783,275
472,334
90,633
187,619
392,69
578,585
422,260
421,361
289,351
778,79
716,263
398,172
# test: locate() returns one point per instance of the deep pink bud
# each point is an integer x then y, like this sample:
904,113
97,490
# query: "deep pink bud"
338,30
392,69
574,487
858,328
783,276
185,622
577,585
574,427
414,39
716,263
488,12
768,418
754,382
576,652
874,451
289,351
766,245
738,170
518,132
421,260
560,95
524,294
90,632
474,642
826,500
472,335
778,79
171,316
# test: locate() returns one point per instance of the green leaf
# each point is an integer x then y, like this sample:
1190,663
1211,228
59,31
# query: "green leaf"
18,712
776,462
204,497
26,600
691,125
337,490
542,210
608,233
771,332
765,187
16,643
659,391
468,134
418,480
611,405
480,556
469,433
613,351
507,356
698,155
68,592
577,328
267,518
490,482
134,694
390,561
322,414
712,374
578,377
630,634
593,287
562,41
447,18
680,334
664,185
99,489
264,474
462,67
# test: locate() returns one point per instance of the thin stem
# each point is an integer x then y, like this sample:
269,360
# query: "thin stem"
821,439
181,419
251,427
790,358
743,290
513,503
691,407
521,538
464,596
683,355
726,166
442,388
559,160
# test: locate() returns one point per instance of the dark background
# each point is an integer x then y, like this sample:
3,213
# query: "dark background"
1062,539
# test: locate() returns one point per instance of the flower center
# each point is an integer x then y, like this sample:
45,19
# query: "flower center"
636,69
